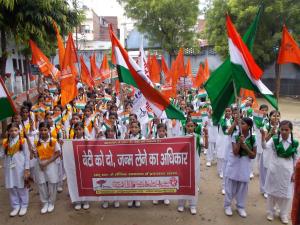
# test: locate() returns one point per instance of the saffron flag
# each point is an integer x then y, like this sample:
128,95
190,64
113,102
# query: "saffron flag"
206,70
164,66
86,77
154,70
39,59
68,75
199,79
104,69
289,51
60,45
95,72
130,72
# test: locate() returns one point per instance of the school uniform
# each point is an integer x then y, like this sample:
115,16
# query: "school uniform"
135,137
48,178
193,202
278,184
264,161
15,163
212,134
237,174
224,145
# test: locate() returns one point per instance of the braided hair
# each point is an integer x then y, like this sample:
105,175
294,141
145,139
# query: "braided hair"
44,125
15,125
290,125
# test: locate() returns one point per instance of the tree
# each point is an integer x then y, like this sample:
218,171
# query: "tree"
242,13
22,20
167,22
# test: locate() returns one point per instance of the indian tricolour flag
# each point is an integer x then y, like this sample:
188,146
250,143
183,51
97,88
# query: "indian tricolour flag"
129,72
7,108
258,118
196,117
243,62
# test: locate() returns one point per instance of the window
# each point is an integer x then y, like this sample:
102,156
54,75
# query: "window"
85,29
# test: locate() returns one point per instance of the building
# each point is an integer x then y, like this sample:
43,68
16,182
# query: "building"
93,34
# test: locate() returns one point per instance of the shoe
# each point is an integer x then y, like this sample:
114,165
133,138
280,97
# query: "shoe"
265,195
23,211
193,210
77,206
221,175
155,202
242,213
14,212
284,219
105,205
270,217
50,207
205,151
223,191
44,209
130,204
116,204
180,208
137,204
228,211
59,189
251,175
86,205
167,202
208,164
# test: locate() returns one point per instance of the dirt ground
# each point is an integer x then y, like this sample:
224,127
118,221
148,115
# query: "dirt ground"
210,203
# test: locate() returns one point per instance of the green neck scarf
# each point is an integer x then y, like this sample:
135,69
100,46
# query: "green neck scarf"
285,153
249,142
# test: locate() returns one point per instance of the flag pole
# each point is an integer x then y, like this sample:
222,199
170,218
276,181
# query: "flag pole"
238,101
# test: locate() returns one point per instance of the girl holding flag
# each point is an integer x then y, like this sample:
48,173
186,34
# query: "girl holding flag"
238,167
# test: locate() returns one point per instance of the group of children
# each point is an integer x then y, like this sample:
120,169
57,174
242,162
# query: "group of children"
32,148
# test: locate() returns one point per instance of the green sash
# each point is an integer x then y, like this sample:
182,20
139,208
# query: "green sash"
249,144
285,153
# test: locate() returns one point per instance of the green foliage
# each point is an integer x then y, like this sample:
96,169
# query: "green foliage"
242,13
32,19
167,22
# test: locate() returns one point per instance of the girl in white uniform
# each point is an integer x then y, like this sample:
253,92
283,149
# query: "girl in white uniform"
238,168
79,133
46,169
16,169
134,134
190,131
160,132
280,175
270,129
111,133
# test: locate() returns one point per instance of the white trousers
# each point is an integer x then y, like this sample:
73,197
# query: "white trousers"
211,152
283,204
19,197
262,175
220,165
235,190
47,192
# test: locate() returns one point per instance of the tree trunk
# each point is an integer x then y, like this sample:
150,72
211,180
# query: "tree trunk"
3,60
277,81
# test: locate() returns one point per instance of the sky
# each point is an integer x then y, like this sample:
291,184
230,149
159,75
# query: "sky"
112,7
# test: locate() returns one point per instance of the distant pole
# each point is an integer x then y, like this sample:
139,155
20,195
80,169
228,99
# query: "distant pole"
76,33
277,81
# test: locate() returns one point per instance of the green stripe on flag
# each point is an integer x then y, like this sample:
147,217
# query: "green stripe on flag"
6,109
173,113
125,76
